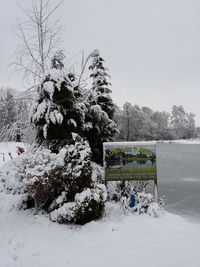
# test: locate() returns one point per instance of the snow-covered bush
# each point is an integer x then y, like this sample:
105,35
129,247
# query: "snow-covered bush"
19,175
88,205
118,189
84,194
143,200
145,203
53,182
155,210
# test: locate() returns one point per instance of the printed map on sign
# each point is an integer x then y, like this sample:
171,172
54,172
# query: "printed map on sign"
129,161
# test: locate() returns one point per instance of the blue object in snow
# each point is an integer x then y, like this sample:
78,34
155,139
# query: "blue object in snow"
132,200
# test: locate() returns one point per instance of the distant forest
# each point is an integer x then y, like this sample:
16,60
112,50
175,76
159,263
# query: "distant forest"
142,123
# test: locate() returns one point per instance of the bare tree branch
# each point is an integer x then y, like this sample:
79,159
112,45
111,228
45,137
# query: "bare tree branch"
39,37
83,66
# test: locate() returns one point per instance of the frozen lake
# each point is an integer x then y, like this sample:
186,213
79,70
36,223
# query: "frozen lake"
179,178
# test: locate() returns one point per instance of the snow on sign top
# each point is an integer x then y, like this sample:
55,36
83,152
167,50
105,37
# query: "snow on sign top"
130,161
129,143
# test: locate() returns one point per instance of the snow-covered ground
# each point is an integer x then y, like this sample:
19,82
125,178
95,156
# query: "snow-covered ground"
117,240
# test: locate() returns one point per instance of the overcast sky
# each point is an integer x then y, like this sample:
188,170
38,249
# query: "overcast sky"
151,47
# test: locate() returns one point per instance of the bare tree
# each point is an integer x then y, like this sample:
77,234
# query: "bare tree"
40,37
14,115
7,111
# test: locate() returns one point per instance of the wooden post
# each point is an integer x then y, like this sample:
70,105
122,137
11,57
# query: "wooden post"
3,155
156,190
104,166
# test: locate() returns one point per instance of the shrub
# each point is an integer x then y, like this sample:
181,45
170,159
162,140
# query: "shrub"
118,189
68,185
145,203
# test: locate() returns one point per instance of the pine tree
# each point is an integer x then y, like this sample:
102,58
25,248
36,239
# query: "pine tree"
100,91
57,112
99,125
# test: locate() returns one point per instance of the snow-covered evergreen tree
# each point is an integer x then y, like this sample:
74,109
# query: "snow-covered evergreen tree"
100,91
57,112
100,126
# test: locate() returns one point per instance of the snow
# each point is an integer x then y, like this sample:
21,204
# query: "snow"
60,199
116,240
55,74
181,141
83,196
58,76
56,117
97,110
88,126
49,88
72,122
45,129
41,109
129,143
186,141
89,194
60,156
66,210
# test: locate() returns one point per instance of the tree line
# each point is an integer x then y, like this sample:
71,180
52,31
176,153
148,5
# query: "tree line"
142,123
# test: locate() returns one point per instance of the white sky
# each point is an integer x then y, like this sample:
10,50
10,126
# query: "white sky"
152,48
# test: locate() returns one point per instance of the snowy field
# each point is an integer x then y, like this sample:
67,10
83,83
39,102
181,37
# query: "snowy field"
117,240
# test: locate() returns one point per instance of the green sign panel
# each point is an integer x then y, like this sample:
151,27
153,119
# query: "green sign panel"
129,161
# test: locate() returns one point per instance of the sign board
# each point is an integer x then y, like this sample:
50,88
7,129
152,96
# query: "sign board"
130,161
